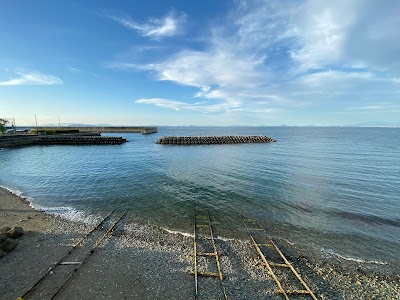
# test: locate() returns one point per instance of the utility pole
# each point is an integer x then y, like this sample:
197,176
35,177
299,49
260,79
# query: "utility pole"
59,121
36,123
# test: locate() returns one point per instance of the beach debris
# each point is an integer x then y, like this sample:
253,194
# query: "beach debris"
4,229
3,237
8,245
70,263
16,232
8,238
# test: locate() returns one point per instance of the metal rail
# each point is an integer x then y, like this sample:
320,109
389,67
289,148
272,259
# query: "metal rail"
202,214
63,261
270,265
99,241
68,253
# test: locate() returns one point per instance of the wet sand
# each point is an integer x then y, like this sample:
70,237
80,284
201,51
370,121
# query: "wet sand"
143,261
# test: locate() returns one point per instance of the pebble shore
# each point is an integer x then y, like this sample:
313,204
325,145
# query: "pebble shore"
144,261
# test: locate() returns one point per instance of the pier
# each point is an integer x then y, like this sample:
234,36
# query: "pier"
208,140
101,129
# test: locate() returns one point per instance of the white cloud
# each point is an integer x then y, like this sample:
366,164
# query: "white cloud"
73,69
276,55
320,30
353,33
170,25
32,78
179,105
336,78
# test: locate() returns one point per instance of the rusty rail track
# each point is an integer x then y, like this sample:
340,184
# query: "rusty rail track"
254,229
204,239
69,261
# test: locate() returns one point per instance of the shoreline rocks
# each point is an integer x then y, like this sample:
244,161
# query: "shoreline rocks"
15,232
8,239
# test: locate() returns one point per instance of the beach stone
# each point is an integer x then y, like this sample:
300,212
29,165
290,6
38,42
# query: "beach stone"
16,232
4,229
3,237
2,253
8,245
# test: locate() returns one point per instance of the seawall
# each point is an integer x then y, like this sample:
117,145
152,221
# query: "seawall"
101,129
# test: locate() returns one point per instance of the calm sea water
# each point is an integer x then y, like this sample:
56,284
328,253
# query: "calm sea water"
337,189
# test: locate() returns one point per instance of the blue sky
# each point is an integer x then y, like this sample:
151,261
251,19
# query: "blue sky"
200,62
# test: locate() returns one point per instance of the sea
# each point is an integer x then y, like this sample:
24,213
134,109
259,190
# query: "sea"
336,189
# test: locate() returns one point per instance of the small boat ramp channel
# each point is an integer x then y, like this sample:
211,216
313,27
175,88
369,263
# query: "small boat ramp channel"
209,277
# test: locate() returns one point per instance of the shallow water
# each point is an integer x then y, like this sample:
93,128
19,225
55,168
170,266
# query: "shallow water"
336,189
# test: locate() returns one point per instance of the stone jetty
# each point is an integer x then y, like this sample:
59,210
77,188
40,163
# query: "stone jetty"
208,140
79,140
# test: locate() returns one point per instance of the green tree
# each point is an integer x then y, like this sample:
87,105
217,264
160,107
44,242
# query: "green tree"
2,125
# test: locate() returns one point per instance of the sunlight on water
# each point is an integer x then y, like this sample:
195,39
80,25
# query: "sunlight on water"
334,188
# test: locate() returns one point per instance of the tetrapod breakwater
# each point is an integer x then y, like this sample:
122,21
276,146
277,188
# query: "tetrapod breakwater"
208,140
79,140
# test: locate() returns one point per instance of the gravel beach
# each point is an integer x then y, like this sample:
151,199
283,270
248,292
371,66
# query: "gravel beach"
139,260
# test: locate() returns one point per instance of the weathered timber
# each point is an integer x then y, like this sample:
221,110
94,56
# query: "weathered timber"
208,140
79,140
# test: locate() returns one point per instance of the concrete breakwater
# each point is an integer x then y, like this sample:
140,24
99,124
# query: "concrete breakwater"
79,140
101,129
207,140
17,140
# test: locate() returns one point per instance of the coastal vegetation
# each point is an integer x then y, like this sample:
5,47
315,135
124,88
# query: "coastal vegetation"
3,123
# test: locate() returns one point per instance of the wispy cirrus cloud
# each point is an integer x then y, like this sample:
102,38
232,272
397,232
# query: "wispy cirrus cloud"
156,28
31,78
180,105
73,69
270,56
376,107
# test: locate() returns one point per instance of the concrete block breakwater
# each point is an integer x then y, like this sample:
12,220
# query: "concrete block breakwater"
79,140
207,140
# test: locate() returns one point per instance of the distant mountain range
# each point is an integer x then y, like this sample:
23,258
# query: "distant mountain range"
375,124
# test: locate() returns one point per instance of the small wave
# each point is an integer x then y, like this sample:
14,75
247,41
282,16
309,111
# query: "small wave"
177,232
225,239
65,212
19,194
70,214
12,191
369,219
359,260
303,207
